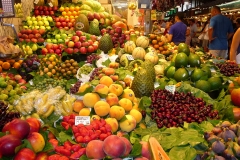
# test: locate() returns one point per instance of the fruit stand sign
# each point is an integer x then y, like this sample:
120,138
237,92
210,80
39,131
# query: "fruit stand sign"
50,4
36,1
130,57
85,120
170,88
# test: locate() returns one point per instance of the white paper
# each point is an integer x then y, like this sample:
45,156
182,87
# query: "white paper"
85,120
170,88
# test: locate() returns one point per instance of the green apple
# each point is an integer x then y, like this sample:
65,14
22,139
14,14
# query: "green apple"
64,36
54,41
70,35
49,19
57,36
44,18
48,27
60,41
29,22
34,47
40,23
33,18
42,27
36,27
49,40
28,18
46,23
35,23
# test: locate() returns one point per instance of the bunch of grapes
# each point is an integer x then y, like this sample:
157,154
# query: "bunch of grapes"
95,73
75,87
172,110
5,115
228,68
92,57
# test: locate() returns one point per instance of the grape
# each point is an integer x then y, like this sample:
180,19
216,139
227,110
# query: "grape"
92,58
75,87
172,110
95,73
48,83
228,68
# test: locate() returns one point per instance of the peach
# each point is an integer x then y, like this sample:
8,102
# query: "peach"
128,124
113,123
128,146
108,71
113,65
84,112
126,104
25,154
112,99
101,89
141,158
94,150
136,114
146,152
37,141
101,108
114,146
117,112
114,77
89,99
42,156
18,127
8,144
34,124
95,117
83,87
106,80
78,105
129,94
135,106
116,89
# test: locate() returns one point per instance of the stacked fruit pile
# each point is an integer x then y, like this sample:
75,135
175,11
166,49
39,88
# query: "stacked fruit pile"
69,68
38,22
31,35
64,23
44,11
52,49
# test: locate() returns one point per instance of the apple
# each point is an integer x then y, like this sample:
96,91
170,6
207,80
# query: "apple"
85,44
235,97
96,16
64,24
90,16
75,50
44,51
103,31
50,19
90,42
48,27
93,38
128,124
69,50
28,18
66,28
8,144
46,23
57,36
49,45
25,154
70,44
77,44
58,24
90,49
61,19
34,124
54,46
64,36
79,33
95,46
51,13
83,50
82,38
58,51
60,41
50,51
35,23
57,19
42,27
29,22
55,41
75,39
118,30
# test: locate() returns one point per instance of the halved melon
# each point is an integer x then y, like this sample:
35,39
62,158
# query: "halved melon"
157,151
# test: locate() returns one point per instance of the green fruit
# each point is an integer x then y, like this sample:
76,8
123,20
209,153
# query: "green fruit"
215,83
82,23
172,82
170,72
2,79
183,47
9,87
181,75
3,84
203,85
12,93
207,71
105,43
181,60
94,28
3,96
13,83
194,60
196,74
162,85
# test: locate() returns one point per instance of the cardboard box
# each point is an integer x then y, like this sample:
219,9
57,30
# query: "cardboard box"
104,1
108,7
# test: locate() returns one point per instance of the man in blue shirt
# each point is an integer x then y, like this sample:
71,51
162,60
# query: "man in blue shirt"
177,32
220,30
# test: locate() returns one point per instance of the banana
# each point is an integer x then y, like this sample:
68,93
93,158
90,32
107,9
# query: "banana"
43,109
49,111
68,109
21,110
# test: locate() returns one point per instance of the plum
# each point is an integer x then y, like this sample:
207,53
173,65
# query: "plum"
8,143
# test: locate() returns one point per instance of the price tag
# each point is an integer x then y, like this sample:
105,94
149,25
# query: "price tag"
170,88
85,120
37,63
36,1
130,57
50,4
143,5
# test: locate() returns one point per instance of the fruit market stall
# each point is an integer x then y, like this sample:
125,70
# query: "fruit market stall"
81,84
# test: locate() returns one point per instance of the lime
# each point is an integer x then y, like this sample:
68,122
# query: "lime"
194,60
170,72
215,83
172,82
181,60
181,75
203,85
196,74
183,47
207,70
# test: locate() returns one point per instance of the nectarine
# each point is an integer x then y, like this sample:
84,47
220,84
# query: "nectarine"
89,99
101,108
37,141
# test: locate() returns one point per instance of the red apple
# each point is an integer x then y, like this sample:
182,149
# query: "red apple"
55,8
61,46
22,82
51,13
64,24
8,144
61,19
90,42
35,31
96,16
85,44
47,13
70,44
103,31
90,16
118,30
70,24
93,38
69,50
67,20
25,154
75,50
235,97
83,38
17,127
95,46
49,46
44,51
40,8
66,28
83,50
36,12
75,39
34,123
79,33
90,49
58,51
57,19
34,40
55,46
50,51
77,44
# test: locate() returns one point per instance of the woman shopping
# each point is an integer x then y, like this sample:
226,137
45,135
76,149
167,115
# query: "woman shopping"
204,35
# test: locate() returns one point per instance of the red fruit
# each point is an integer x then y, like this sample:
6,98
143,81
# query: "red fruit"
44,51
57,19
58,51
17,127
78,154
65,125
79,139
25,154
79,33
75,50
59,148
66,118
90,49
83,50
8,143
235,97
54,157
34,124
76,147
54,143
103,136
65,152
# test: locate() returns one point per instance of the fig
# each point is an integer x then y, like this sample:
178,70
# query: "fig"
226,124
227,133
236,149
216,130
219,158
234,128
228,153
212,138
218,146
207,135
29,62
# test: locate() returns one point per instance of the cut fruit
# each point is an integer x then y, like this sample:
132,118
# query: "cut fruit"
157,151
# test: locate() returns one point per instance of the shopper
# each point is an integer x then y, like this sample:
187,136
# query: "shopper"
188,36
220,30
204,34
177,32
193,30
168,25
235,45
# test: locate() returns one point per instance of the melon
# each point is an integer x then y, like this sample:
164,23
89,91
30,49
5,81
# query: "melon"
142,41
152,57
82,23
129,46
138,53
157,151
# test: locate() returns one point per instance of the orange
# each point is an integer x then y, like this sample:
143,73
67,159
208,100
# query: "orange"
11,61
16,65
71,17
74,13
61,9
66,9
20,61
156,46
69,13
0,69
1,62
72,8
154,41
152,36
64,13
6,65
77,8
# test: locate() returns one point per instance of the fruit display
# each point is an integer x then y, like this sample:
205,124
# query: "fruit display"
93,57
69,12
31,35
44,11
18,10
59,36
52,49
38,22
64,23
228,68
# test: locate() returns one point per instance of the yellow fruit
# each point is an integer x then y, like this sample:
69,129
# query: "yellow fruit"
101,108
126,104
129,94
136,114
90,99
117,112
84,112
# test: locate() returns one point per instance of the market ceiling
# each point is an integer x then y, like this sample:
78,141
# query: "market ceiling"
210,3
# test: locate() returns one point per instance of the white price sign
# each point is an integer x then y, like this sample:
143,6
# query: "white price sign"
130,57
85,120
170,88
50,4
36,1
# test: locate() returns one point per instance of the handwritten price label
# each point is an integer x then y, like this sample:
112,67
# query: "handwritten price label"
85,120
170,88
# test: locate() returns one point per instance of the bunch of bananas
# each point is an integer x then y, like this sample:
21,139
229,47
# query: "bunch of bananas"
42,105
18,10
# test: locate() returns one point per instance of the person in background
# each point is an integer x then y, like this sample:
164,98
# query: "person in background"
177,32
163,24
205,37
156,28
235,45
220,30
193,30
168,25
188,36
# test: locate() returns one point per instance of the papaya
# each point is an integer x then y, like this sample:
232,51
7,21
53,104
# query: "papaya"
157,151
